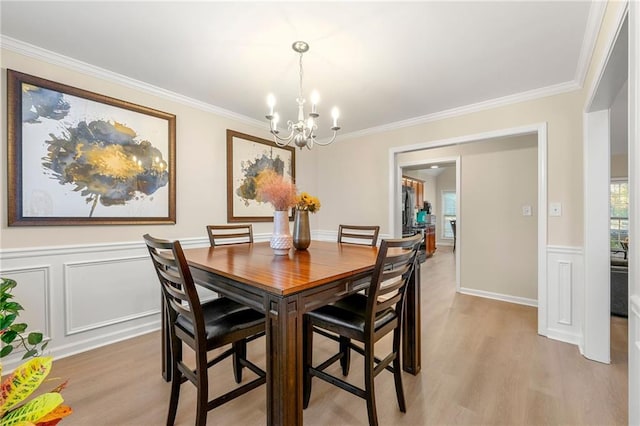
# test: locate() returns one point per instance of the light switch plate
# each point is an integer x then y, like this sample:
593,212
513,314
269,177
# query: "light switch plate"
555,209
526,210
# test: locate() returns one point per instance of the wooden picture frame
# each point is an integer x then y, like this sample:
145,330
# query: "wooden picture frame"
246,157
80,158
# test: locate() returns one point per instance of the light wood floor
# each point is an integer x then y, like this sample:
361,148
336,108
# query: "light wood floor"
482,363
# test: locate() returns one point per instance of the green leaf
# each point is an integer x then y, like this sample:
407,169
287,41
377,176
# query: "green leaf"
44,345
30,353
4,297
5,351
13,307
7,321
9,336
7,284
34,338
19,328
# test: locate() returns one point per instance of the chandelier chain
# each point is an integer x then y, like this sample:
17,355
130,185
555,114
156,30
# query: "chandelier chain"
300,92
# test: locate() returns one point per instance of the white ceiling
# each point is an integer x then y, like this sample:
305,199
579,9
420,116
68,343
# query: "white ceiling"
380,62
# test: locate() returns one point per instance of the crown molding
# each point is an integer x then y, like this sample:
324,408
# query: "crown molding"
53,58
543,92
594,22
595,18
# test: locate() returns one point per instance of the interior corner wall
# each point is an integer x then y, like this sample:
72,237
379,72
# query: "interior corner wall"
71,278
201,177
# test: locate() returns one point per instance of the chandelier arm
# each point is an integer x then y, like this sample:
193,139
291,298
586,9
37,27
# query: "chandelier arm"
335,132
281,141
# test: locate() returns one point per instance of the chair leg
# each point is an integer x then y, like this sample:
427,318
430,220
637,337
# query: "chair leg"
307,359
397,371
239,352
176,376
202,389
369,384
345,361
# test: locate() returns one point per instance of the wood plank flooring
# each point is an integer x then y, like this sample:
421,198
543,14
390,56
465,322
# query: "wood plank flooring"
482,364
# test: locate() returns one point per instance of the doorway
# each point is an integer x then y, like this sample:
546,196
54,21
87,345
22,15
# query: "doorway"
440,164
539,131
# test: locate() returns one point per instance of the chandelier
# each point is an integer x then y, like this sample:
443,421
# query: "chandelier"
301,132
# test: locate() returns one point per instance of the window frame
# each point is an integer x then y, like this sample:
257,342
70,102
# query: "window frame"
612,182
445,221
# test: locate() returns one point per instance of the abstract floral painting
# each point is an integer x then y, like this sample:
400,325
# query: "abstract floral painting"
76,157
247,156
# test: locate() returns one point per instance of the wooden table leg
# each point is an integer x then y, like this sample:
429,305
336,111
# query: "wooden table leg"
284,361
411,333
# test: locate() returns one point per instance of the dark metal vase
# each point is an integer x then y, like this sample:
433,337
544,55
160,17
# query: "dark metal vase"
301,231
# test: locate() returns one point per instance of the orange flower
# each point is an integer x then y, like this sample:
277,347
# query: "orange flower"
304,201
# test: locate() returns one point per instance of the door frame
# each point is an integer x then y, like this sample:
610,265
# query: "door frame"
597,176
539,129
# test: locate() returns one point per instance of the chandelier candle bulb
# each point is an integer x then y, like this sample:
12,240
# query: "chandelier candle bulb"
315,97
335,113
271,102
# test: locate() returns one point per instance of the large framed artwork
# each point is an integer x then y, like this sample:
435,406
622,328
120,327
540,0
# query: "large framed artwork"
80,158
247,156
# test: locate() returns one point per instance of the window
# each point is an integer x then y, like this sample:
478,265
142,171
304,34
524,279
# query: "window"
448,213
619,213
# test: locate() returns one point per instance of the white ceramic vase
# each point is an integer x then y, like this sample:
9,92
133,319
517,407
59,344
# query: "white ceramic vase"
281,240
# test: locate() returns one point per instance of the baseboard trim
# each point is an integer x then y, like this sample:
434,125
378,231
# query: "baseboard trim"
107,339
563,336
498,296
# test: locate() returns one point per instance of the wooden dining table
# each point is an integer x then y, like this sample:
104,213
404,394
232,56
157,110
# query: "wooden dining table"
284,288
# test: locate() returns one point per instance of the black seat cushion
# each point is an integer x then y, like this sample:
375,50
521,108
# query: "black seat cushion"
221,317
349,313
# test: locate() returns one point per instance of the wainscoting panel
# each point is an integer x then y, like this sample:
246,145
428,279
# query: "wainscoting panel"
87,296
33,293
565,293
106,292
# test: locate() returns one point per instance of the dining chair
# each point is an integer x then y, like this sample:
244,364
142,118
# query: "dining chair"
357,234
366,319
230,234
202,327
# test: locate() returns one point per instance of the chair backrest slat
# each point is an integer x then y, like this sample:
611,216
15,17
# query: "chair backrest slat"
358,234
230,234
388,284
178,288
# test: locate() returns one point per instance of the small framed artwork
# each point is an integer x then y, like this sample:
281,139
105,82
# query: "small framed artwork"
247,156
80,158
